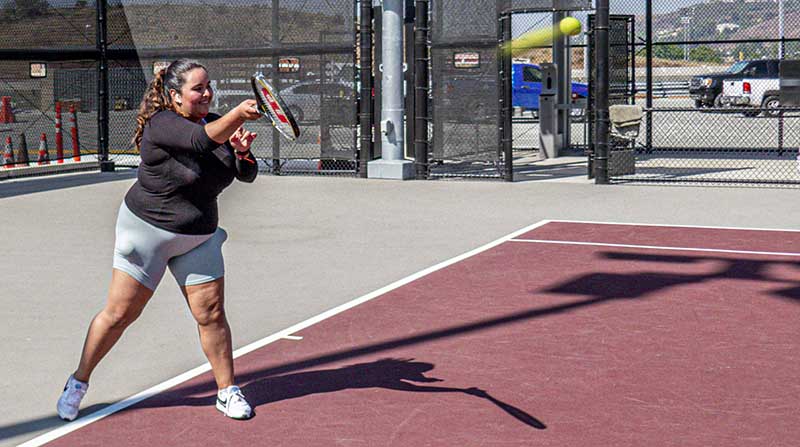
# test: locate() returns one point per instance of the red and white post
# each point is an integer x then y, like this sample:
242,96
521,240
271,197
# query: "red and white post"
59,137
73,119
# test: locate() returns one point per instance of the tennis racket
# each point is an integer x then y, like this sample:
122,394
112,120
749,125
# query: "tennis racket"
270,105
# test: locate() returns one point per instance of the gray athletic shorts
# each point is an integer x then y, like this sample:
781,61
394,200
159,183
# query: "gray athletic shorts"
144,251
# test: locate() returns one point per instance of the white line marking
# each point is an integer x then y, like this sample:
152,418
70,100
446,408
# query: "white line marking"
293,337
100,414
655,247
670,225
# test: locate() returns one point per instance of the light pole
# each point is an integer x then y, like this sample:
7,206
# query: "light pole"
780,29
686,21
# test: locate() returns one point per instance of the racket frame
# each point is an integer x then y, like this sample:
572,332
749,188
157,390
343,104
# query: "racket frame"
289,128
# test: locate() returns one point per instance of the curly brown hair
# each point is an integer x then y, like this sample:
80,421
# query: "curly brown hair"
157,98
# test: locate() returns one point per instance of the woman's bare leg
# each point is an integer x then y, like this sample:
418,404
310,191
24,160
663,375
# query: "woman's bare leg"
126,300
207,303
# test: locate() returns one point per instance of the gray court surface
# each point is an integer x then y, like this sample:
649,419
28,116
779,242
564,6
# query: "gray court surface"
298,246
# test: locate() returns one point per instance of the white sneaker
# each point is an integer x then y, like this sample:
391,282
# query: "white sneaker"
231,402
70,399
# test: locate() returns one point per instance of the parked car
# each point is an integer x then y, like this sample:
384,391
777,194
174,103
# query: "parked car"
470,95
526,81
753,93
305,99
706,90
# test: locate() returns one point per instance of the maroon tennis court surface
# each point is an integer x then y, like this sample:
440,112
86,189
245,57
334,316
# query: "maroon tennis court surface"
563,334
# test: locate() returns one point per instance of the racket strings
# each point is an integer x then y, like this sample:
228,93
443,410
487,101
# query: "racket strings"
270,105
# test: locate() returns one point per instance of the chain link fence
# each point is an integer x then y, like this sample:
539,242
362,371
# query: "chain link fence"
692,133
307,49
51,58
465,134
46,120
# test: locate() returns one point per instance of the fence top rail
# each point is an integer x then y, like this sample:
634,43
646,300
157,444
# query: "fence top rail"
723,110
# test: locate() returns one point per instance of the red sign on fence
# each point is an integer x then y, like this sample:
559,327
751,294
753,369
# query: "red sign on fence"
467,60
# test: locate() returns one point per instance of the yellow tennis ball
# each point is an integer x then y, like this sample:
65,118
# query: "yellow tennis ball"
532,39
570,26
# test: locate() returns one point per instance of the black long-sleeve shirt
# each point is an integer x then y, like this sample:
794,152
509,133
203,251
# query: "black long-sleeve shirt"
181,174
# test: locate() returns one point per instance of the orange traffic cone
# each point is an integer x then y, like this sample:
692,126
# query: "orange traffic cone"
8,154
76,151
22,153
6,114
44,155
59,137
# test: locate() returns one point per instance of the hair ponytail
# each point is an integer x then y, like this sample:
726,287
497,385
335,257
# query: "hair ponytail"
156,97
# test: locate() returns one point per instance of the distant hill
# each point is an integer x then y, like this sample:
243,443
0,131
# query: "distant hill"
755,19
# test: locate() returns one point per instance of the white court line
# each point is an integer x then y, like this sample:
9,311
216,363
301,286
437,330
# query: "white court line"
656,247
670,225
132,400
292,337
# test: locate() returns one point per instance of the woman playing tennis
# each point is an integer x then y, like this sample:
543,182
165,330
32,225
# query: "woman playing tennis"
169,219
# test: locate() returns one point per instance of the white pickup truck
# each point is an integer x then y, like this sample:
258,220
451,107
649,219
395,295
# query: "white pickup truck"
760,94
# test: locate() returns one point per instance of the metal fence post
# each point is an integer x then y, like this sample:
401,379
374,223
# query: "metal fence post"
409,73
649,74
102,88
275,43
506,135
601,101
365,116
421,89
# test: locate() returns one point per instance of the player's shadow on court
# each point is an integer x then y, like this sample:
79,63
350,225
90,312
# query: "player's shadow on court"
390,374
42,423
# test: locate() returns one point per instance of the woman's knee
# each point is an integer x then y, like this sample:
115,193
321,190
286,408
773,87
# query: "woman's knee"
120,317
207,302
208,309
211,314
126,300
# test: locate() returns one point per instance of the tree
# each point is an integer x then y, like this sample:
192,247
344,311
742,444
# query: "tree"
668,52
704,54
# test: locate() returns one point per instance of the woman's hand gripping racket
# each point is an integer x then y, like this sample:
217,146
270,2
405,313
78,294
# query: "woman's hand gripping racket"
270,105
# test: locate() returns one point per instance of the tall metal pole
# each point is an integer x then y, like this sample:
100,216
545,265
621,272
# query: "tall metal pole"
687,22
421,61
102,88
392,94
365,111
782,44
564,93
392,164
601,101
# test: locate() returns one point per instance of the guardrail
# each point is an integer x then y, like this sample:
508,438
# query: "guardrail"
664,89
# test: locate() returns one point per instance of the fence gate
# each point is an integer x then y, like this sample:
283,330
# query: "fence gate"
541,112
465,106
472,86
